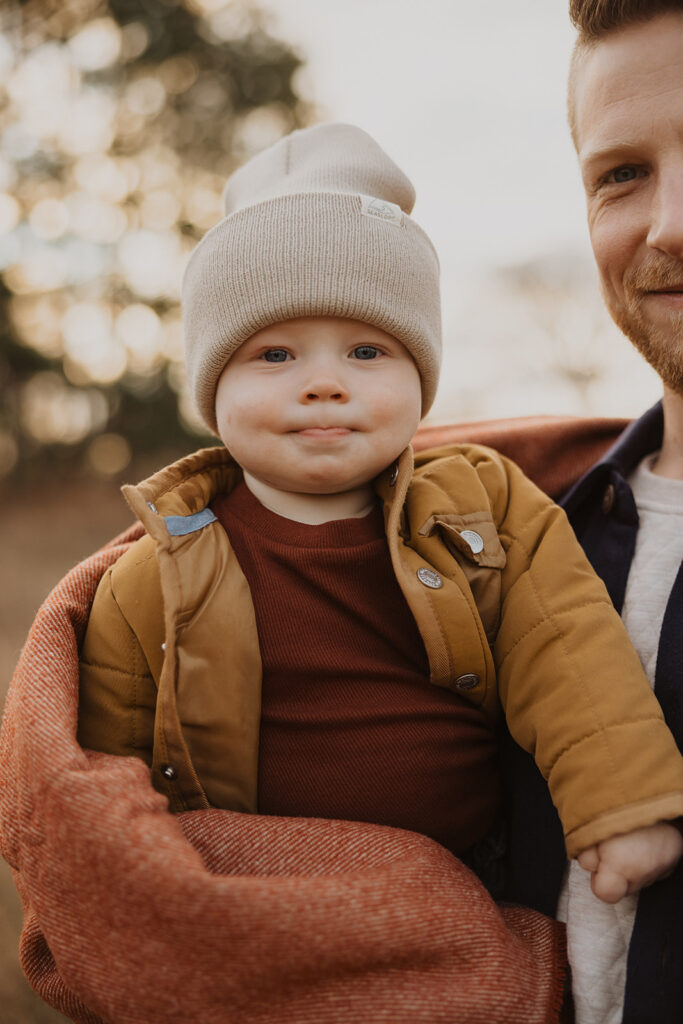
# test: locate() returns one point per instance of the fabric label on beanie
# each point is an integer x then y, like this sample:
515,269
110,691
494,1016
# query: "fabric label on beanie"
381,209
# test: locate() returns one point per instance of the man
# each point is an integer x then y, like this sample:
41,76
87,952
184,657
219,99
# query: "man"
626,117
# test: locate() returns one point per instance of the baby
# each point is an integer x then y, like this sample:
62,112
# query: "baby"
316,623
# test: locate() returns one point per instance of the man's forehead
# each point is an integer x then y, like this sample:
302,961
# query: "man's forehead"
625,72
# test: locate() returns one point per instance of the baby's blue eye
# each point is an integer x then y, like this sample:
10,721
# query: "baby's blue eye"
276,355
366,352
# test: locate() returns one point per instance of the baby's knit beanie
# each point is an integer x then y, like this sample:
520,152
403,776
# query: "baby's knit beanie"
316,225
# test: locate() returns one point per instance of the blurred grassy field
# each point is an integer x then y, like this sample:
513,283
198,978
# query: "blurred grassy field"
44,531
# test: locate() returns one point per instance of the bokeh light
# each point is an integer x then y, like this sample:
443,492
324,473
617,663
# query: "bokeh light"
139,329
49,219
89,126
90,342
10,213
151,263
96,46
106,177
94,219
37,319
108,454
54,413
118,126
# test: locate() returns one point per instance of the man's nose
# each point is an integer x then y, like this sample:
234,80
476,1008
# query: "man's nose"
666,228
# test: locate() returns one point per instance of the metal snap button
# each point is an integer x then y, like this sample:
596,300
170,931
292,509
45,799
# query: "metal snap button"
467,681
474,540
430,578
169,772
393,476
608,499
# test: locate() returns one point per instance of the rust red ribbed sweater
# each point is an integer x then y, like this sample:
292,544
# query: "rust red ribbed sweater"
351,727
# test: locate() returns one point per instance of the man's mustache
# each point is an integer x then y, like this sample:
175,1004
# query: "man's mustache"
658,274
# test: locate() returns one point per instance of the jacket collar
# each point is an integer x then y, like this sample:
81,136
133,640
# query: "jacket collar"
185,489
182,490
639,439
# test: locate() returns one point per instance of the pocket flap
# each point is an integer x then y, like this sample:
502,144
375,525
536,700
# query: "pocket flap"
473,535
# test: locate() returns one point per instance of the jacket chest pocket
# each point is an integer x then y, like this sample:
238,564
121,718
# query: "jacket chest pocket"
472,540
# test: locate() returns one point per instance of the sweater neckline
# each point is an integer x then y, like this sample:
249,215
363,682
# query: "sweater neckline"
337,533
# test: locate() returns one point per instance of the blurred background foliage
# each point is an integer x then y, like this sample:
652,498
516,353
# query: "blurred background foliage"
119,123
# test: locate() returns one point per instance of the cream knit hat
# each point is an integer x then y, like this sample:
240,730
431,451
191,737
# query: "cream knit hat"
316,225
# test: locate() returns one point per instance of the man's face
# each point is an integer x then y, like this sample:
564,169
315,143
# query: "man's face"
629,135
318,405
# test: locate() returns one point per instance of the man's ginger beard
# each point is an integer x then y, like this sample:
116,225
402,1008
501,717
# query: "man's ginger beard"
661,347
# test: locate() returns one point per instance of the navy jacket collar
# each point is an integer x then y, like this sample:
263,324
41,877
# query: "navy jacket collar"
601,506
640,438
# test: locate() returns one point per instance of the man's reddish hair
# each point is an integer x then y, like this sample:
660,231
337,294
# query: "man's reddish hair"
595,18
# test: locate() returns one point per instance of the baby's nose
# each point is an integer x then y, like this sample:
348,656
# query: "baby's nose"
325,387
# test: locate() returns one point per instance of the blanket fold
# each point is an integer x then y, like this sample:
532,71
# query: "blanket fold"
136,916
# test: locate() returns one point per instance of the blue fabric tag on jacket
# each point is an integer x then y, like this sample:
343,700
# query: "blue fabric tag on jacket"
178,526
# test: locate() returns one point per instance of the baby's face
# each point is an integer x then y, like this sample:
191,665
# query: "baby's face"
318,405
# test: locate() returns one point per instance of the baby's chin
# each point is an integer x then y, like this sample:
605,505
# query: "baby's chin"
330,483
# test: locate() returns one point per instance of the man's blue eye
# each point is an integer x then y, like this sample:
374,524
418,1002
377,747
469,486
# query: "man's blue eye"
623,174
275,355
365,352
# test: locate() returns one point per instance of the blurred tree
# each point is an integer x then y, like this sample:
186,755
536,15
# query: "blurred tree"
119,123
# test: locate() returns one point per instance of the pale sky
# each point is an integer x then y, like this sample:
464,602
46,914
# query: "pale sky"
469,100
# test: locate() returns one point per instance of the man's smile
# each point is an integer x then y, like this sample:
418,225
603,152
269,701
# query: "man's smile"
669,296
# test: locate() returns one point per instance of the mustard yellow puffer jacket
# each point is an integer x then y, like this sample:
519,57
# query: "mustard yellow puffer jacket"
171,670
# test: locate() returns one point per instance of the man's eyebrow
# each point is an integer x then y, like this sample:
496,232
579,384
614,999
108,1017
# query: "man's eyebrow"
614,149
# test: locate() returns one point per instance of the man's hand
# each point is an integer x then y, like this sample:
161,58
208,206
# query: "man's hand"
627,863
